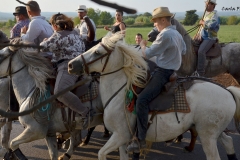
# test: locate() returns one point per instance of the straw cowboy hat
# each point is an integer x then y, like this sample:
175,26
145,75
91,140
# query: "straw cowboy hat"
212,1
20,10
82,8
161,12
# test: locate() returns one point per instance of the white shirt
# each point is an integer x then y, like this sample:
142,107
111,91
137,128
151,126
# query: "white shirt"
168,48
82,27
38,29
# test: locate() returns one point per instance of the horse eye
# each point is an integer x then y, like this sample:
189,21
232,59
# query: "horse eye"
96,52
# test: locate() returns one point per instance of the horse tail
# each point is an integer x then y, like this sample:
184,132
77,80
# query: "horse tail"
236,94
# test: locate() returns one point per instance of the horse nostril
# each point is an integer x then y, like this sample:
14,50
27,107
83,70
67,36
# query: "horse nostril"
70,66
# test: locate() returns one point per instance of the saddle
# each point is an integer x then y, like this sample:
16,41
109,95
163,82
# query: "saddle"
214,52
165,100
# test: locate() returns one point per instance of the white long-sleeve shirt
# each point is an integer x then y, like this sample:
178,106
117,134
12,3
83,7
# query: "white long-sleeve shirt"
38,29
168,48
82,27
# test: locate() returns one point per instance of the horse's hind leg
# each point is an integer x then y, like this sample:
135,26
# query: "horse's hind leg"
209,143
194,135
52,146
227,143
5,136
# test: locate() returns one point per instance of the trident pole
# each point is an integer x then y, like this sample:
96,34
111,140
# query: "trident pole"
199,29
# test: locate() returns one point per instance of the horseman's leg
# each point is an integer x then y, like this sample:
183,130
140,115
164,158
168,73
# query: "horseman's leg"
5,136
87,137
194,135
75,140
204,47
151,91
227,143
63,80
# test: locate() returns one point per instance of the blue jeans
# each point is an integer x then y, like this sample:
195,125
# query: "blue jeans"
159,78
205,46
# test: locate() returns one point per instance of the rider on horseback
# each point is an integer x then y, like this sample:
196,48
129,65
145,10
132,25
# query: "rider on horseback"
208,34
66,44
168,47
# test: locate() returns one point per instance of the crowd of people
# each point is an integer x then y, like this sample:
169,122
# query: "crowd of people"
63,42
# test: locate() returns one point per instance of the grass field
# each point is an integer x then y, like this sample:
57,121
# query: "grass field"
227,33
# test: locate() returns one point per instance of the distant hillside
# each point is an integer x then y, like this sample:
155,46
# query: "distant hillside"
179,15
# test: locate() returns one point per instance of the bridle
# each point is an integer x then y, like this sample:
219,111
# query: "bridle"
86,65
9,69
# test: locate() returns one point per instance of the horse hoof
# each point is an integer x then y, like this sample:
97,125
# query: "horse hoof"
188,149
83,144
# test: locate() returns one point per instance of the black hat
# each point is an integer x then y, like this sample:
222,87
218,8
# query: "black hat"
20,10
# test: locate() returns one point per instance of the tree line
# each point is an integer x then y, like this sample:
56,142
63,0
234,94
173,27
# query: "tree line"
102,18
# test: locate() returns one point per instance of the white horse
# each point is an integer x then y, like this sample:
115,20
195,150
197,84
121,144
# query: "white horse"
29,71
4,105
212,107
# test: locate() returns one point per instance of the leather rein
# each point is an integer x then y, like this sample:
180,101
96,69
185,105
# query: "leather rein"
9,69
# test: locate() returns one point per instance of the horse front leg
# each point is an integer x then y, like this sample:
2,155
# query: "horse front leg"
52,146
116,140
75,140
88,136
5,136
28,135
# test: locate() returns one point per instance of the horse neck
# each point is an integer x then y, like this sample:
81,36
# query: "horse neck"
110,83
188,65
189,60
22,82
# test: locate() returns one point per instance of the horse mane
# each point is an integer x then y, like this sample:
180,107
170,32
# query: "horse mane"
135,67
188,60
37,65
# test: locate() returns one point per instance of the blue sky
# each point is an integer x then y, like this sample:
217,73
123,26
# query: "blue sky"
140,5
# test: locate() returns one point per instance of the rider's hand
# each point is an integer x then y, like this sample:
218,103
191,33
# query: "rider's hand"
202,22
24,29
106,28
143,43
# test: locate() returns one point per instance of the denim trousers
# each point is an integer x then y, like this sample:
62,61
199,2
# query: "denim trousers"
159,78
205,46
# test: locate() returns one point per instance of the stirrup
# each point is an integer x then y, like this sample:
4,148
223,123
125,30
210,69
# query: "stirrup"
196,74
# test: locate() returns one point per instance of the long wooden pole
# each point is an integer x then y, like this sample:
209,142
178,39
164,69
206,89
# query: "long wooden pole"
199,29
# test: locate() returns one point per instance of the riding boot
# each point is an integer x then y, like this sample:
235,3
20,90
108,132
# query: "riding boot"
136,146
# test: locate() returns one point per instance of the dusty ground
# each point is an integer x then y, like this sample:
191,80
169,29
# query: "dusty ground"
226,80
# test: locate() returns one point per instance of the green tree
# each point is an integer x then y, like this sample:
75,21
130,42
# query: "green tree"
10,23
105,18
142,19
129,21
76,20
93,15
232,20
191,17
223,20
147,14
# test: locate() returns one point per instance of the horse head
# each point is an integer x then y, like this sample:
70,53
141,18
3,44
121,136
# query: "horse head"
96,59
3,38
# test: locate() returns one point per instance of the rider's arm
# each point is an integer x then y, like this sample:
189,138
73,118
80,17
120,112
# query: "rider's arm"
32,33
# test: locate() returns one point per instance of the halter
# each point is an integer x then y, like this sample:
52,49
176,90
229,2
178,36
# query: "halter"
9,69
86,65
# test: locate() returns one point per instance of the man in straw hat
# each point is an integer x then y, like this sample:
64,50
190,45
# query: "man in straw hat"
39,28
82,27
22,20
168,48
208,34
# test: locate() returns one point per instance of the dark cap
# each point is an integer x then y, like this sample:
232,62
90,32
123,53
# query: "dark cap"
20,10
